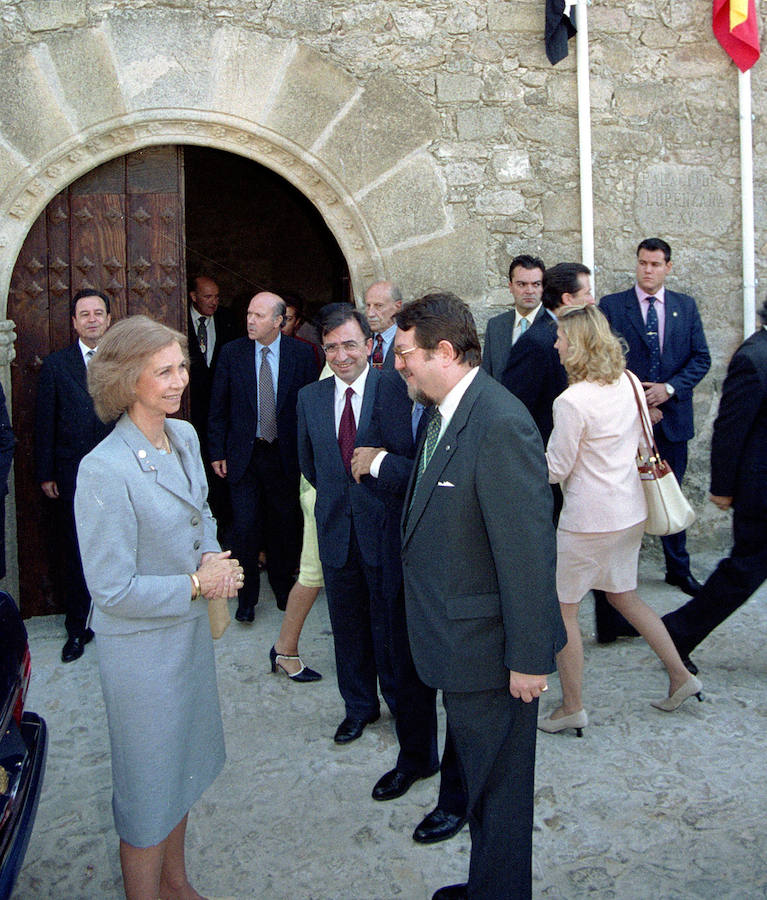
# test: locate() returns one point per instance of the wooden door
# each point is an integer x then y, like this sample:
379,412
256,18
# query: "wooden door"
119,229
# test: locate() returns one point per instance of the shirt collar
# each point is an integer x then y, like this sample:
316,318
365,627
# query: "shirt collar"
454,396
274,346
85,349
660,294
529,316
358,385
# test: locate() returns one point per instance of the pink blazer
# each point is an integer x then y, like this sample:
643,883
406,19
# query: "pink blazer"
592,454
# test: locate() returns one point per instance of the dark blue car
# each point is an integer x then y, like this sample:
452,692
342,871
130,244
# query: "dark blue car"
23,747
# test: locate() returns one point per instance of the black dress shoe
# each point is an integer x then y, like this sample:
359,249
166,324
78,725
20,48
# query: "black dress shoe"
74,648
686,583
452,892
439,825
350,729
245,613
88,635
396,783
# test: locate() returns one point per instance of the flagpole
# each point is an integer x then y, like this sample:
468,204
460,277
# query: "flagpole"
747,202
584,137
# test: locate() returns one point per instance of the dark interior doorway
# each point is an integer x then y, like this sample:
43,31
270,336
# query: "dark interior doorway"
250,230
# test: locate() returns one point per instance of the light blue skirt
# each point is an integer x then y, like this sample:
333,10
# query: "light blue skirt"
164,725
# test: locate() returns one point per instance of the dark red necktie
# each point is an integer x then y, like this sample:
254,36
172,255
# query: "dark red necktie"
377,359
347,431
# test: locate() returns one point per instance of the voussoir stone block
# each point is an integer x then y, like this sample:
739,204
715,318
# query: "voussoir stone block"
312,92
31,119
174,72
388,122
85,68
247,64
408,204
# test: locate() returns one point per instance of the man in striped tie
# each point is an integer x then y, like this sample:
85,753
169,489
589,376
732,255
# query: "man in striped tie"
252,440
667,351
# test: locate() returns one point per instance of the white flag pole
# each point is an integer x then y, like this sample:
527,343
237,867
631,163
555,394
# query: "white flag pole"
747,203
584,137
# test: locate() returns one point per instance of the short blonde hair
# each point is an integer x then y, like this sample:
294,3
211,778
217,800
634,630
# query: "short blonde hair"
122,356
595,353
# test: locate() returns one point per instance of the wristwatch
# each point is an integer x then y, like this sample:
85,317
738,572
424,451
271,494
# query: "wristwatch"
670,389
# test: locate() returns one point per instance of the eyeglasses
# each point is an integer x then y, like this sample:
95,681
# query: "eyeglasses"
348,346
401,354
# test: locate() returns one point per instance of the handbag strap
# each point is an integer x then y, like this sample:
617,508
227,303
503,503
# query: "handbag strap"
646,427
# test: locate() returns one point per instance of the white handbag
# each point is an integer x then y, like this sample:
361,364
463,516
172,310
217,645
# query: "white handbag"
668,510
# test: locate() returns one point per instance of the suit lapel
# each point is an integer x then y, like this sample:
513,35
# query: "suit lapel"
368,401
325,416
147,458
443,453
77,368
635,315
671,322
247,365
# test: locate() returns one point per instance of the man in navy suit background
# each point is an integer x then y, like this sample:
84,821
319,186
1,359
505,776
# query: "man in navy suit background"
252,441
66,429
503,331
383,300
738,481
667,351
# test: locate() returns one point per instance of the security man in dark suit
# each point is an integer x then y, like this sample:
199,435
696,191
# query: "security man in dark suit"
252,442
667,351
504,331
738,481
479,554
209,327
66,429
383,300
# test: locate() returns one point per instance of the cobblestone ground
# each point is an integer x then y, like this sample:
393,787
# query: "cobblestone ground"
647,804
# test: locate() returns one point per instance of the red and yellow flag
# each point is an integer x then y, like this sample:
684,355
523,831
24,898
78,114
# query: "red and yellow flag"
737,30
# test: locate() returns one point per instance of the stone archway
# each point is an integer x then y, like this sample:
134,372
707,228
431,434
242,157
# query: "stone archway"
356,147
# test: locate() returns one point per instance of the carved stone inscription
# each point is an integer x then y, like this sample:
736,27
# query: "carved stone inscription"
672,199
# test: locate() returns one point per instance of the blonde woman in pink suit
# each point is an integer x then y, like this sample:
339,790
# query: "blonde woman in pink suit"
592,454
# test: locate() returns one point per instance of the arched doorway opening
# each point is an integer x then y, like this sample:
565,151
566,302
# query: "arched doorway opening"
137,227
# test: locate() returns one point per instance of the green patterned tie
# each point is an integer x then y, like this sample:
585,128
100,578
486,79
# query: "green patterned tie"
430,444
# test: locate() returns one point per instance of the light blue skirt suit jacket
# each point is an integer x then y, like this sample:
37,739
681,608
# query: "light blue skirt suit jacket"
143,523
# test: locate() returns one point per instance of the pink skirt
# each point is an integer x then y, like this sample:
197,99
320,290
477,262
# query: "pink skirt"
605,560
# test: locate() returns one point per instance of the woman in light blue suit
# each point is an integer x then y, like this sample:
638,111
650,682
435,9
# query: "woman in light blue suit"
151,559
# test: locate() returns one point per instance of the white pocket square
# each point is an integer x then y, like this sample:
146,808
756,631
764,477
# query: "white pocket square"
445,484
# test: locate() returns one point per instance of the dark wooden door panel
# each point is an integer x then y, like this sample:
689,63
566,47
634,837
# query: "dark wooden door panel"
98,247
118,229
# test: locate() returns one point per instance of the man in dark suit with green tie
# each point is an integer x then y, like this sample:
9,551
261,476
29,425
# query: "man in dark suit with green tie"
479,555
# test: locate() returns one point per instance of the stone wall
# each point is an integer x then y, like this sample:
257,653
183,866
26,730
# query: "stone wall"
435,137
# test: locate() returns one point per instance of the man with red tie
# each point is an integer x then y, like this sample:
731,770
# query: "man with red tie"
336,415
383,300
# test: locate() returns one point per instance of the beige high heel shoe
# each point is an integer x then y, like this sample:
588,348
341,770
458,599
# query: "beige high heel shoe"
578,721
691,687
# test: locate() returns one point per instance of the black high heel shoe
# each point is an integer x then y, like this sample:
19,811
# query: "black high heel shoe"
303,674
